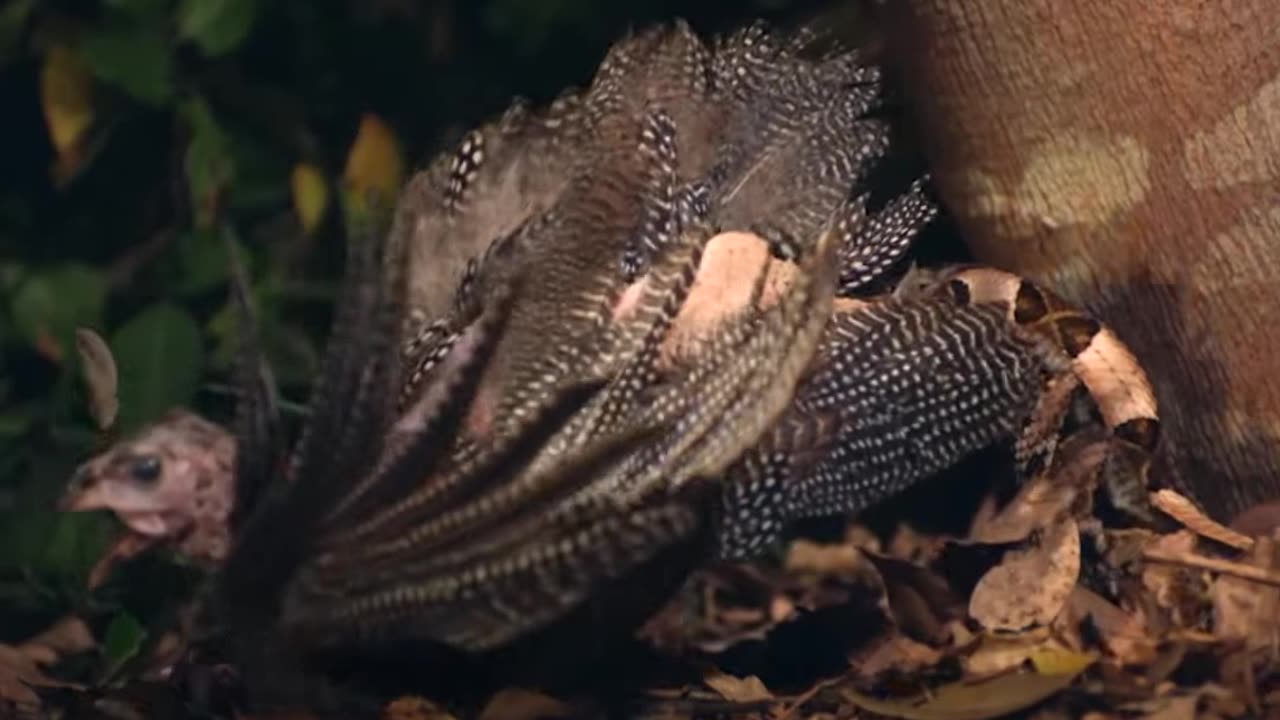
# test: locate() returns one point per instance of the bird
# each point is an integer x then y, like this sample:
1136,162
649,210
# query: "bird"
655,359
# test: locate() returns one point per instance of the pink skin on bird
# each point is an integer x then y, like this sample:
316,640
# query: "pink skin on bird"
170,483
728,274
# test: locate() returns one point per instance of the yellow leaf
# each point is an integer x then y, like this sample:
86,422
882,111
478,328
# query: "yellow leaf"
66,96
990,698
374,163
1056,661
310,195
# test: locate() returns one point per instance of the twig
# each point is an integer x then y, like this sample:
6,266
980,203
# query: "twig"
1266,576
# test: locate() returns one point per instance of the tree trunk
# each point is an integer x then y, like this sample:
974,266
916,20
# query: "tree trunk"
1127,155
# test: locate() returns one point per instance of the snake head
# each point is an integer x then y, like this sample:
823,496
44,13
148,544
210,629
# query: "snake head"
170,484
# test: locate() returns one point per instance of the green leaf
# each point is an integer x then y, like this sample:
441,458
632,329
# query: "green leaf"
13,19
57,548
161,359
210,164
216,26
262,175
121,643
136,59
48,305
202,262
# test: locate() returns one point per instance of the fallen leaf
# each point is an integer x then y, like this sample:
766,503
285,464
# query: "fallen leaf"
414,708
919,600
522,704
1248,610
1050,659
1045,497
967,700
1031,585
1184,511
742,690
998,653
1173,708
894,653
910,545
1182,591
98,368
1122,631
823,559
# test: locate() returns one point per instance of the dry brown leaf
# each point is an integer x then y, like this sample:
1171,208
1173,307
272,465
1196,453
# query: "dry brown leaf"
1031,585
863,538
1174,703
966,700
894,652
1123,632
997,654
1184,511
522,704
823,559
1173,708
917,599
1181,590
98,368
1045,498
1037,505
1249,610
912,546
742,690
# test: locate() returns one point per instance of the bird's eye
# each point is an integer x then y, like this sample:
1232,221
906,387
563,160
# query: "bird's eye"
146,469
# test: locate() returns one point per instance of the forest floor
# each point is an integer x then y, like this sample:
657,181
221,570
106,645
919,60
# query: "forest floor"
1035,611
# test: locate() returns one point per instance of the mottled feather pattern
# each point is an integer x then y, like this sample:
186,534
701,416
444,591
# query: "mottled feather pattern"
618,199
496,434
903,389
876,245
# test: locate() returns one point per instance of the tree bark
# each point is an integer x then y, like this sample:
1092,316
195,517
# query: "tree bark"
1127,155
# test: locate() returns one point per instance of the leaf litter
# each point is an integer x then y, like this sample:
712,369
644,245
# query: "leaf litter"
1038,609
